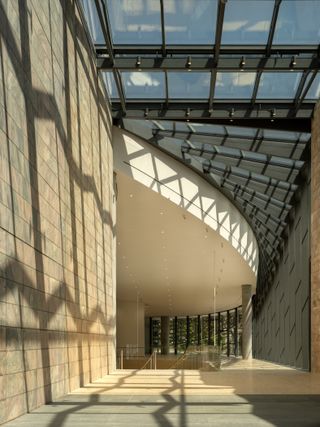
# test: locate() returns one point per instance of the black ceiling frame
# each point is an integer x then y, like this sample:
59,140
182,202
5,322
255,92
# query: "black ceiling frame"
105,27
217,45
197,110
268,58
212,63
214,59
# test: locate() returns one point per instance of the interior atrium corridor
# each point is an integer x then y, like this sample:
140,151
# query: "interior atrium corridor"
159,213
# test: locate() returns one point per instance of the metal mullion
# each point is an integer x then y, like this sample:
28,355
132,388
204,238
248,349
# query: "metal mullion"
103,17
166,87
272,26
175,335
295,147
228,333
240,159
271,195
118,80
301,86
225,137
304,94
213,80
267,163
256,87
217,44
290,174
255,139
163,31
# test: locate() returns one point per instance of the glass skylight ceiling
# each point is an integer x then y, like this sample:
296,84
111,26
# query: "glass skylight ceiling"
203,54
187,60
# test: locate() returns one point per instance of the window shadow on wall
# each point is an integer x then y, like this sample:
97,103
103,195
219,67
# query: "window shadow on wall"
48,313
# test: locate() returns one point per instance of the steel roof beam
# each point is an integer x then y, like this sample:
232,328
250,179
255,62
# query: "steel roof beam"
273,24
176,110
163,30
103,18
299,101
184,135
223,64
141,49
217,44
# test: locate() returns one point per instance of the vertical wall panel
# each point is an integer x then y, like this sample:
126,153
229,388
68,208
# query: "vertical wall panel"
281,328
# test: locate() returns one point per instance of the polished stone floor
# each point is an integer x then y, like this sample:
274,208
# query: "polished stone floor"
242,394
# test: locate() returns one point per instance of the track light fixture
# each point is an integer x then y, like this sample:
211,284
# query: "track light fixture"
231,114
138,61
189,63
188,112
146,112
242,63
293,63
273,114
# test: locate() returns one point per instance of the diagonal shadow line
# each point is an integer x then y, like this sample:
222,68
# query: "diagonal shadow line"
14,269
47,108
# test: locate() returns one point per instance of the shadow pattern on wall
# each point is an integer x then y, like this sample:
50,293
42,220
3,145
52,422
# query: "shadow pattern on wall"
57,295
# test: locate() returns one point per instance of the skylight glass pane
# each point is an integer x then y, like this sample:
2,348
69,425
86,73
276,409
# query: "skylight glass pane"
135,21
93,21
144,85
189,85
110,84
247,22
190,21
314,91
298,22
278,85
234,85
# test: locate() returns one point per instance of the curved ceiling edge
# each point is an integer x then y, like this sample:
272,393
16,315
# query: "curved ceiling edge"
181,185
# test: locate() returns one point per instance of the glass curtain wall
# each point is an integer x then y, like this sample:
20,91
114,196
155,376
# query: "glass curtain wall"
221,329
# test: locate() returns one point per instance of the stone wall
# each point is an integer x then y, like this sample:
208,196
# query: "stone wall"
281,330
57,296
315,242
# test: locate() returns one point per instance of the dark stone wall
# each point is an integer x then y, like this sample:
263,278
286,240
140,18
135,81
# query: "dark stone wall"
281,330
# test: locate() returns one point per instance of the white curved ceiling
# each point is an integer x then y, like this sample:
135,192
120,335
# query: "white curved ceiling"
170,259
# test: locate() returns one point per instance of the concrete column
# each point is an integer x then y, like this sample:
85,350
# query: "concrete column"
165,329
246,321
315,241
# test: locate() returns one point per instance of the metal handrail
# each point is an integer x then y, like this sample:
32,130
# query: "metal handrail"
180,358
152,358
